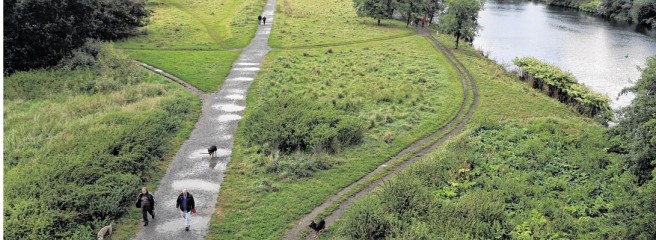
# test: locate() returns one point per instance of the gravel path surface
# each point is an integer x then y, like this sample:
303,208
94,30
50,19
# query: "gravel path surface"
192,168
417,150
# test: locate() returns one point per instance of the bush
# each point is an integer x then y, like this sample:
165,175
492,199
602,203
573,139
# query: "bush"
291,124
564,87
88,149
544,178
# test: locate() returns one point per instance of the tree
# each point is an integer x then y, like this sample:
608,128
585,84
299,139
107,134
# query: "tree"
644,12
40,33
377,9
461,18
433,8
410,8
637,126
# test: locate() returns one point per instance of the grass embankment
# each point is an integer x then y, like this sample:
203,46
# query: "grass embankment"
196,41
308,23
396,88
528,167
78,143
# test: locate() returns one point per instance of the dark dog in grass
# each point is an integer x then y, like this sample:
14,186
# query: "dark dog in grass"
318,227
212,151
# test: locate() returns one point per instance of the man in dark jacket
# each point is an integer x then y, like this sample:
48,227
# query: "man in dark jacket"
186,204
147,204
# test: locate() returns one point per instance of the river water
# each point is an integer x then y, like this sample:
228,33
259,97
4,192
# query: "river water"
603,55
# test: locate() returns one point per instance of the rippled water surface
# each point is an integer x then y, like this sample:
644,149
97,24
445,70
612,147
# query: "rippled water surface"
601,54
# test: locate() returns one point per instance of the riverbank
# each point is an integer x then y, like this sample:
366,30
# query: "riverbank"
639,12
517,172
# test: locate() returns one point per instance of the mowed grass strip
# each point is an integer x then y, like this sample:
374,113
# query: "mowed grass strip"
205,70
402,88
306,23
198,25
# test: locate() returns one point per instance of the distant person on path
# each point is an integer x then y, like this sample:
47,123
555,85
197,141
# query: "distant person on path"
147,204
423,21
259,19
264,20
187,205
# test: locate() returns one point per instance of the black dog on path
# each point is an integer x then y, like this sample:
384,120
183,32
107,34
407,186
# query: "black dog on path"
318,228
212,151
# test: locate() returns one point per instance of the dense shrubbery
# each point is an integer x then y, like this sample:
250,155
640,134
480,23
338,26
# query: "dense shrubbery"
294,124
78,143
635,136
296,133
40,33
539,179
564,87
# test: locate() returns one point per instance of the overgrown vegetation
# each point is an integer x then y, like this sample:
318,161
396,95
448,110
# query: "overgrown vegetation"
564,87
39,34
635,134
534,178
290,123
544,178
82,138
315,103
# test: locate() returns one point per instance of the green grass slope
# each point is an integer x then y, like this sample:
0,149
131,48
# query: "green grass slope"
78,143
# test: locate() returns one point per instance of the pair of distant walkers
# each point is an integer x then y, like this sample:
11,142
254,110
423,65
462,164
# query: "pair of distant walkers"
185,203
261,19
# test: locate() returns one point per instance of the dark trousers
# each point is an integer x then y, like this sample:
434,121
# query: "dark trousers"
144,213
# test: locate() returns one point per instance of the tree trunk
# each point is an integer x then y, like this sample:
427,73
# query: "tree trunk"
431,19
457,38
408,22
378,22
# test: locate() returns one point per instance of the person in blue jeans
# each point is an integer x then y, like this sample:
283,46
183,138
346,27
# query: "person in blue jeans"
186,204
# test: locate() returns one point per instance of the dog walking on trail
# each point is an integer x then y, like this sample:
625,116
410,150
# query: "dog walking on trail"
186,205
146,202
318,227
212,151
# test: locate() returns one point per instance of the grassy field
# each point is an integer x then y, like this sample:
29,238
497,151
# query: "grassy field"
198,25
308,23
515,131
205,70
87,139
197,40
414,93
540,178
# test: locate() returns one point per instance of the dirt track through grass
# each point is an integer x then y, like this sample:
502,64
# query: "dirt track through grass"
416,151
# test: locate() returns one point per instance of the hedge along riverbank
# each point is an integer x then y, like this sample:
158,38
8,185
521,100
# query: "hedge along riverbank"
82,138
564,87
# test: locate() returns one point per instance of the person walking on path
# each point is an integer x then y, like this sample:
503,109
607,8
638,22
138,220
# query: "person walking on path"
147,204
264,20
423,21
187,205
259,19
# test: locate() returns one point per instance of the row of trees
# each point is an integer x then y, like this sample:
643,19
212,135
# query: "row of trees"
457,17
637,11
40,33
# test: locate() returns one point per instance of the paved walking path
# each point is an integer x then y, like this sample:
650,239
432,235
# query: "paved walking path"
192,168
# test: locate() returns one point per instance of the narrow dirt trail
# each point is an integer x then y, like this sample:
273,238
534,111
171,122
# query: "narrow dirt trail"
416,150
192,168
